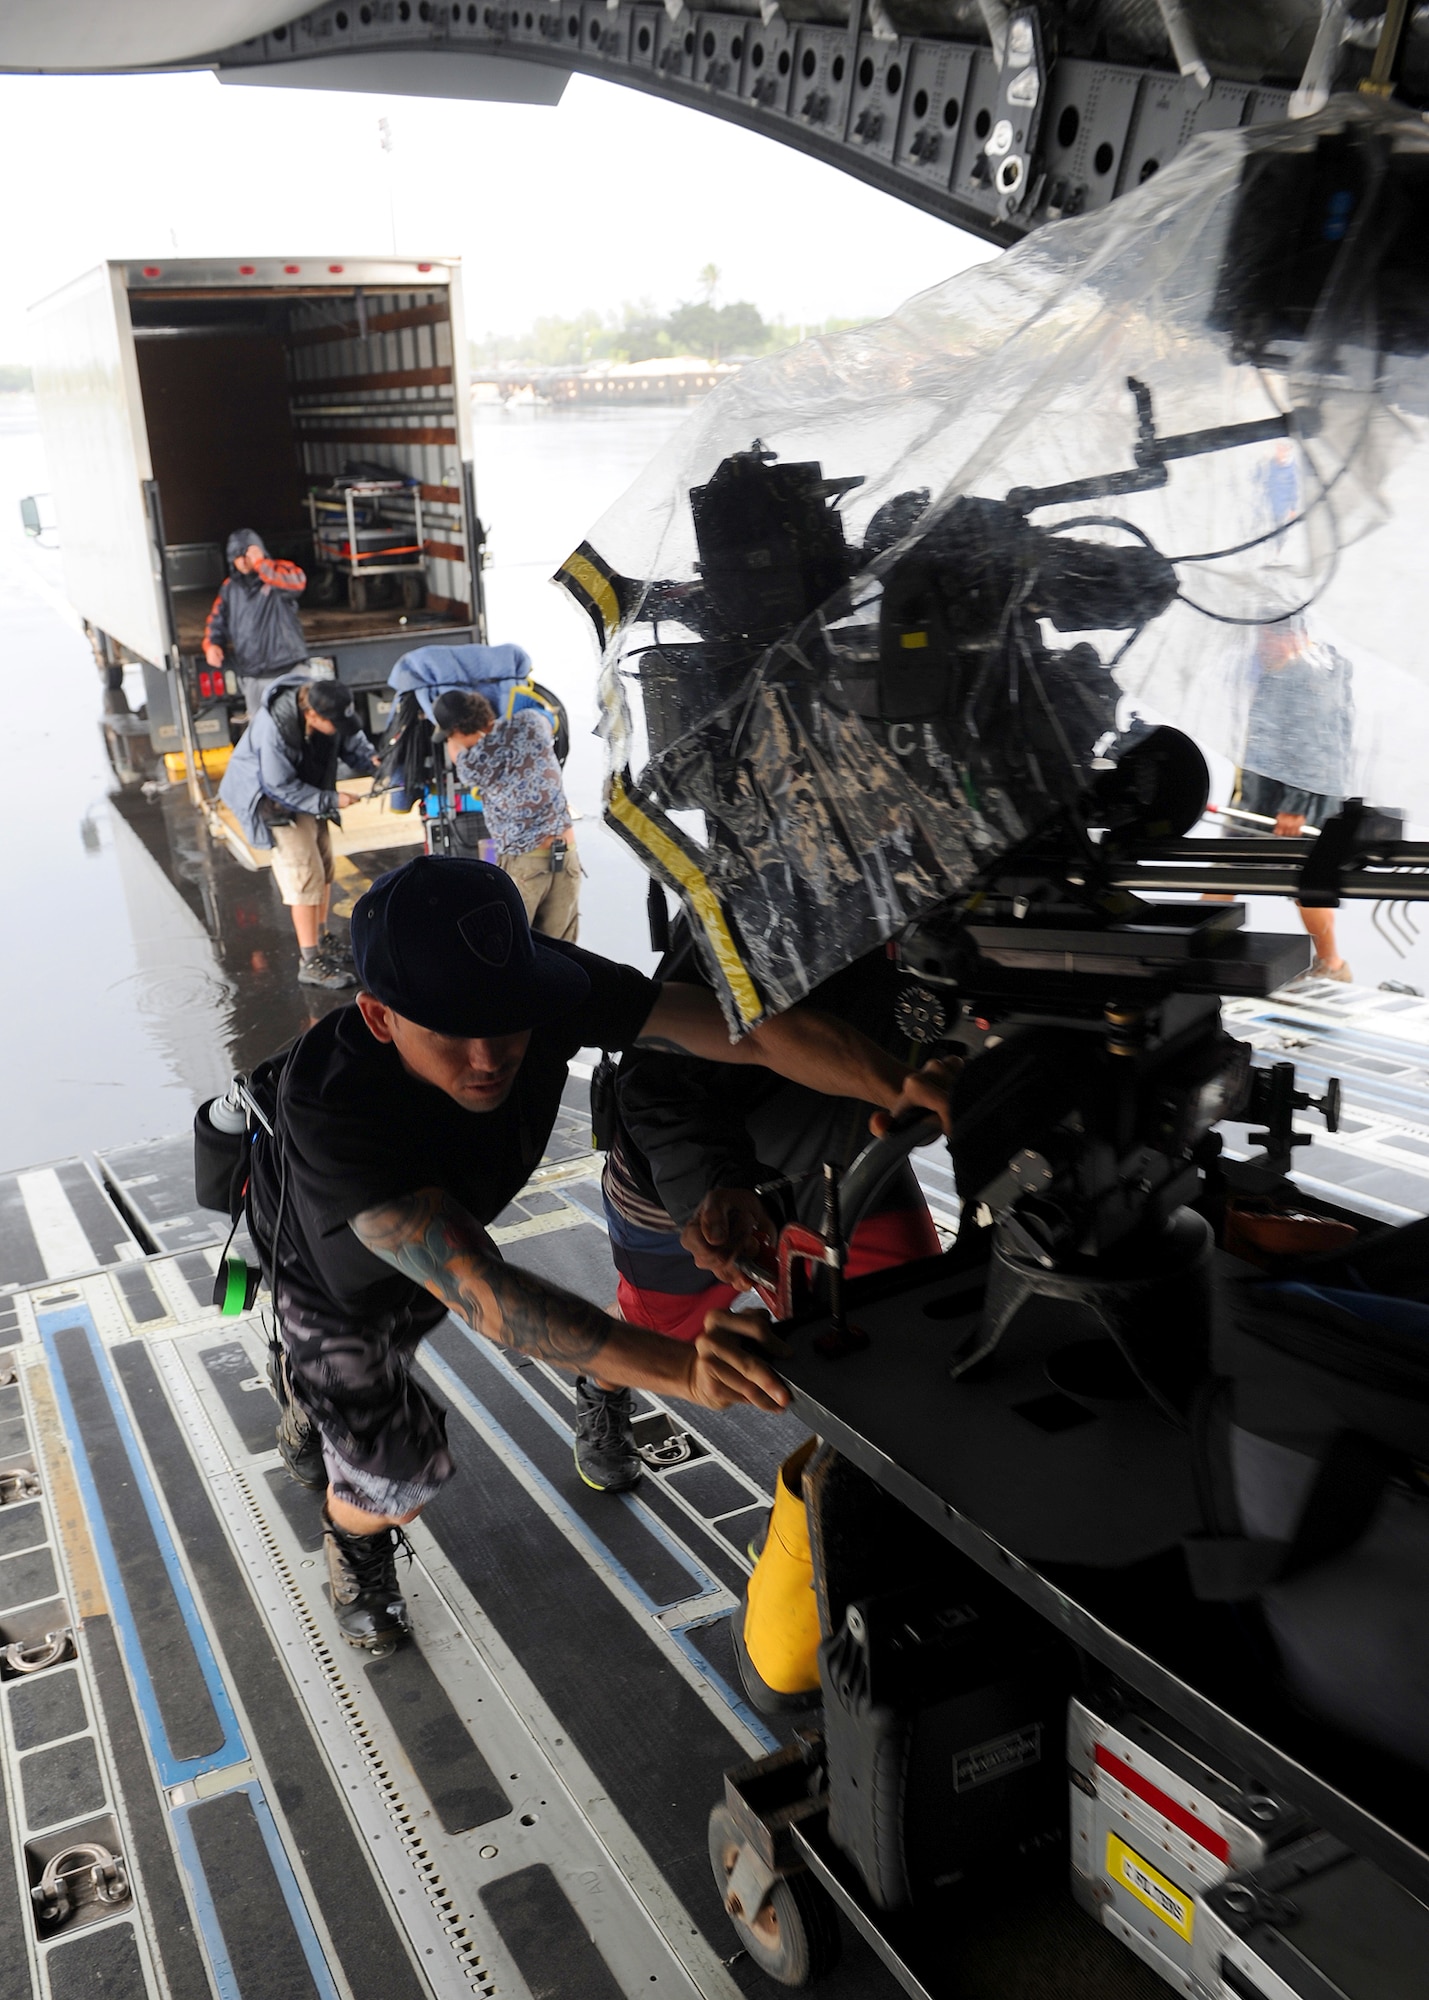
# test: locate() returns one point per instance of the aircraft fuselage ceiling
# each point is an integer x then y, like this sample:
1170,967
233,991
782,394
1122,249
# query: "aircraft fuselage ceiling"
996,118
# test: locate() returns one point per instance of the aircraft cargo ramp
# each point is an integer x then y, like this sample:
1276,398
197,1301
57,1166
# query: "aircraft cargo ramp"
205,1791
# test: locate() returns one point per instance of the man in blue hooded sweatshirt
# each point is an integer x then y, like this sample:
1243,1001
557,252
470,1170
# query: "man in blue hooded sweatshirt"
254,625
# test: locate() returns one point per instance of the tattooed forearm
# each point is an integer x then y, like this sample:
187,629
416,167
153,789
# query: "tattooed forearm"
432,1240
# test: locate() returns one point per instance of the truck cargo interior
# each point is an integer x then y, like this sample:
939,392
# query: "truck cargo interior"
325,422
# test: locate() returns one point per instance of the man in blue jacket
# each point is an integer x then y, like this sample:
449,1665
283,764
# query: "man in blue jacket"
281,787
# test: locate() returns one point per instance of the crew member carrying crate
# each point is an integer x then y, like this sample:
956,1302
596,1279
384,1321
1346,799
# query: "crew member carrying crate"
281,786
255,618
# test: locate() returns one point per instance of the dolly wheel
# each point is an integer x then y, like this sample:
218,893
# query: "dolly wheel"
795,1935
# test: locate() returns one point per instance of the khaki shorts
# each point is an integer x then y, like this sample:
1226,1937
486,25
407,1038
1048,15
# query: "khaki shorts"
552,901
302,859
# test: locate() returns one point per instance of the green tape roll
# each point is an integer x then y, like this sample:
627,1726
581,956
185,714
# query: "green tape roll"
235,1290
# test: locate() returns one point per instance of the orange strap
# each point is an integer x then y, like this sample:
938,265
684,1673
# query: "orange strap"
282,575
214,609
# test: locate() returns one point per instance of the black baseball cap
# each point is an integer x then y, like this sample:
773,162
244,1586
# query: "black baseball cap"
444,942
327,698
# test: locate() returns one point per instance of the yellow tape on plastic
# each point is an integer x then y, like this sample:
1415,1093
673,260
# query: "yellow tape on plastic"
594,587
681,868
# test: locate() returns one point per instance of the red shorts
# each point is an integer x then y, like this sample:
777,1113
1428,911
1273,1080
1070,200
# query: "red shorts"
879,1243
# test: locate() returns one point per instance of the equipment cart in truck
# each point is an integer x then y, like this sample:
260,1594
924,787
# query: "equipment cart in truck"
183,398
365,528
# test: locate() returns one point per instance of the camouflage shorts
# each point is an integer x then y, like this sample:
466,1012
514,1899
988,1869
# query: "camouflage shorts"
384,1437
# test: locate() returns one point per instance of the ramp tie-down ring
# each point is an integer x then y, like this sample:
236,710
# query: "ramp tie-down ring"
674,1450
84,1873
29,1656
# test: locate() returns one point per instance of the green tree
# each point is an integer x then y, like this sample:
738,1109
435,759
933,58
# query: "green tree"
641,332
717,331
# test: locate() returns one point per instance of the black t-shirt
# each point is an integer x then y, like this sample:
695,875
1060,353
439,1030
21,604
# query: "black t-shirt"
687,1127
356,1129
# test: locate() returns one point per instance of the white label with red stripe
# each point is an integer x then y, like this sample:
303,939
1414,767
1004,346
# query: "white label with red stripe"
1173,1816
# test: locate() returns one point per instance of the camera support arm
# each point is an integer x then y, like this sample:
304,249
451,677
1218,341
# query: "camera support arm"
1153,454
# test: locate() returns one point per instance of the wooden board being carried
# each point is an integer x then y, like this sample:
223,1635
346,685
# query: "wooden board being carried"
369,824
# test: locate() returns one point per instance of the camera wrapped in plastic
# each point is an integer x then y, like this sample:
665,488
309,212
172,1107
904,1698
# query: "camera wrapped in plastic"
891,601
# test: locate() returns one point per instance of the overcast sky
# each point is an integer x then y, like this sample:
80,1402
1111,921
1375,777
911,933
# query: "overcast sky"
612,196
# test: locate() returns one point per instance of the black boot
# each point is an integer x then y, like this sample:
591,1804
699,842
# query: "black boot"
362,1570
300,1444
606,1457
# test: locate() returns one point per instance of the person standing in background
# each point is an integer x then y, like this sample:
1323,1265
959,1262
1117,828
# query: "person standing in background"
1295,767
1301,723
512,766
254,625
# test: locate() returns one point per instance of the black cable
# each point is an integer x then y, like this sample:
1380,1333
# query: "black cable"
270,1259
1106,521
1223,618
1322,500
1280,617
1293,520
1270,534
278,1225
1255,542
1126,645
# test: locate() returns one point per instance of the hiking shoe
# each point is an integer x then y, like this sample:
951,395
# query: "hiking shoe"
606,1457
334,947
323,971
300,1444
362,1570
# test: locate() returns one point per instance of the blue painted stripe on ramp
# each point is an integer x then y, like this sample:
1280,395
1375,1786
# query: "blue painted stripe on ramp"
207,1915
172,1770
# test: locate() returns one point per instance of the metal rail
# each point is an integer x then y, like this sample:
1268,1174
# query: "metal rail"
1395,870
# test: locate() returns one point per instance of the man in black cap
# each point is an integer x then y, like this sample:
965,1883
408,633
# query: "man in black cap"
402,1126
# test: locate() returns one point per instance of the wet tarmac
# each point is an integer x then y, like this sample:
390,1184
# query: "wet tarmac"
140,963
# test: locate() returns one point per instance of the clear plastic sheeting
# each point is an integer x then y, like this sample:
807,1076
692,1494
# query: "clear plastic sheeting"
890,599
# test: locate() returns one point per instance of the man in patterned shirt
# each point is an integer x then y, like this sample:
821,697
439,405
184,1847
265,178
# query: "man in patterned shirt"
512,767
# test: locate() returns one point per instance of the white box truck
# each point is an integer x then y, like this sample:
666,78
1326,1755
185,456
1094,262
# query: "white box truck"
322,401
